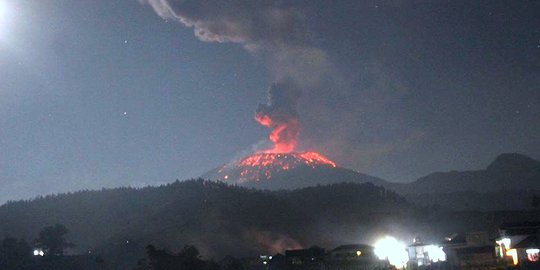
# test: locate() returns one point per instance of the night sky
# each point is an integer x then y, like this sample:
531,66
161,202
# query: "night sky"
115,92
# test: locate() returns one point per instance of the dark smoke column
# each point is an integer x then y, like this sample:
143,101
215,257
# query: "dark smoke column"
281,116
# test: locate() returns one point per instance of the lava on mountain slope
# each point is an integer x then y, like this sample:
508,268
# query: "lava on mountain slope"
262,166
280,115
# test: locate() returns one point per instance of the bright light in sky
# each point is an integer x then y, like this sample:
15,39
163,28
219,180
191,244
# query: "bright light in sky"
3,17
393,250
7,15
2,10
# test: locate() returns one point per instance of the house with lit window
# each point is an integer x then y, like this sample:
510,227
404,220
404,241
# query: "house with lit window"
519,245
527,251
422,254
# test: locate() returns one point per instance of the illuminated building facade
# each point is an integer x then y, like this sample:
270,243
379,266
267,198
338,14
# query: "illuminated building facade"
519,245
422,254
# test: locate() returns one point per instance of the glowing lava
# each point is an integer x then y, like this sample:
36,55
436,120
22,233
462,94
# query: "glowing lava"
283,135
280,115
262,166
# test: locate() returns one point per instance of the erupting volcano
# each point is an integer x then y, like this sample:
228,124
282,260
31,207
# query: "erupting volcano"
280,115
262,166
286,171
280,166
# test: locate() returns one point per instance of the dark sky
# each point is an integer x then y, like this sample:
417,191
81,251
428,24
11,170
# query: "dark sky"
116,92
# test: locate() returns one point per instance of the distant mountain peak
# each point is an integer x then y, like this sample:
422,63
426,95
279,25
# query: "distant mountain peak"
510,171
513,162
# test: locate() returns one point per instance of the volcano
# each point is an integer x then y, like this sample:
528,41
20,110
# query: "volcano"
286,171
281,167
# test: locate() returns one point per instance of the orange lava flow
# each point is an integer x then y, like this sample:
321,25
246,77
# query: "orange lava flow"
285,160
314,157
261,166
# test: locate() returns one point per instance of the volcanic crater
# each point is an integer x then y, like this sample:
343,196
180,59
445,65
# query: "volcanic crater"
285,170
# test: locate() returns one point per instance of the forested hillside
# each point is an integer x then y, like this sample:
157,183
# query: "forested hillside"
220,220
196,212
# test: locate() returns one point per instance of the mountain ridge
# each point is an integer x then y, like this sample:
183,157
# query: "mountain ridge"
197,211
508,171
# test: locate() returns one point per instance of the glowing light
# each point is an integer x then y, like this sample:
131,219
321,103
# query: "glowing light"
392,250
533,254
504,242
8,15
284,133
513,253
504,246
3,14
38,252
358,253
314,157
435,253
285,161
261,166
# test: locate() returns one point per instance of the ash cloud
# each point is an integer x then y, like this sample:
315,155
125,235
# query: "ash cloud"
284,35
288,37
253,24
281,116
275,30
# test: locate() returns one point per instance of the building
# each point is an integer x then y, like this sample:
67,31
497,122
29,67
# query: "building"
519,245
423,254
306,259
470,251
355,257
346,257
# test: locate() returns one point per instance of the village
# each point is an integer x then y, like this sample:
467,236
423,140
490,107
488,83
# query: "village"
517,246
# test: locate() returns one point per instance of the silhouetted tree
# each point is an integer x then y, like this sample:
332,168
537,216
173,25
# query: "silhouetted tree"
231,263
15,254
187,259
52,240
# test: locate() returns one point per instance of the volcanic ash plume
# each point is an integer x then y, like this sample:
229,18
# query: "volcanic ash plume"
280,115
